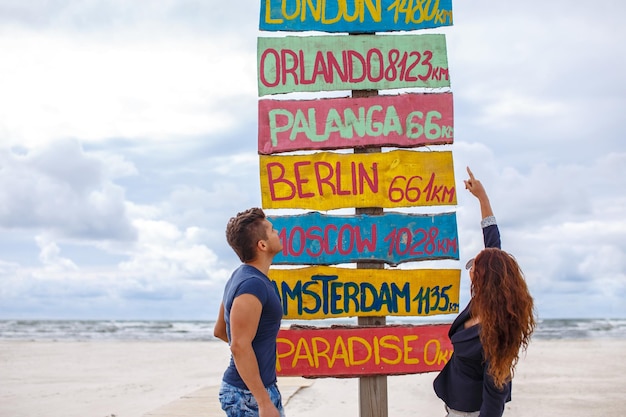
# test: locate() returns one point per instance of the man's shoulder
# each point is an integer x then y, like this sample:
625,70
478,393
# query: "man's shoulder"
247,278
244,272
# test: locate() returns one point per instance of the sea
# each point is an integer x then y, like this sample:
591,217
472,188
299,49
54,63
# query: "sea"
198,330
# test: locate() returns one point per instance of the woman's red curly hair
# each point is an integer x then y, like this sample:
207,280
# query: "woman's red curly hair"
504,306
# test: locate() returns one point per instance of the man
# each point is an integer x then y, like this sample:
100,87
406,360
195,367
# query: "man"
249,319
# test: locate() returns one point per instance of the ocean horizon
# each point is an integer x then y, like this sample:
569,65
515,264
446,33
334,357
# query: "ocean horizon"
202,330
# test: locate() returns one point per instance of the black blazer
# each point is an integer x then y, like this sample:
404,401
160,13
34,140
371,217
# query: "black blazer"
464,384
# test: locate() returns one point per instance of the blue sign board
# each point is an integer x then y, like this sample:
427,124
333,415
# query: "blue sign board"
354,16
319,239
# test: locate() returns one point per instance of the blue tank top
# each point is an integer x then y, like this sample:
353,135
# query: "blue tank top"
248,280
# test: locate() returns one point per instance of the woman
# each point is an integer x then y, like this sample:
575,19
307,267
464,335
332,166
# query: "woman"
488,334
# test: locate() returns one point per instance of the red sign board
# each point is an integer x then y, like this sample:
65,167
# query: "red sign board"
359,351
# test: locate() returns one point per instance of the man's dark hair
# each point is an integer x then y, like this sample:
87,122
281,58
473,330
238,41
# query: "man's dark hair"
244,231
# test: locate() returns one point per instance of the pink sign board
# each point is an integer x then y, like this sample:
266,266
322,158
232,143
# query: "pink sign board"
404,121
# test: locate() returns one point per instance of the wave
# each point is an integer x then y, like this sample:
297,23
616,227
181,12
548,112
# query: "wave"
198,330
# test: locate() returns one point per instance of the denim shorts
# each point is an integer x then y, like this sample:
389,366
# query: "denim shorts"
237,402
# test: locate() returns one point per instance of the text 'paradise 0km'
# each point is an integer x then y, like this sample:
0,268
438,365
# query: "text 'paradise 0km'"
326,181
357,351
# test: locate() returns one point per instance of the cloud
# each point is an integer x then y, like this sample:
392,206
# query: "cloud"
61,189
96,88
564,223
128,139
50,256
538,79
94,16
101,255
168,272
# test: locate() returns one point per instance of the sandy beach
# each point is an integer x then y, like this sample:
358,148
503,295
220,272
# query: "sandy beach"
137,379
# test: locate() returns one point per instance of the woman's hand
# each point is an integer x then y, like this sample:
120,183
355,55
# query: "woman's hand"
475,187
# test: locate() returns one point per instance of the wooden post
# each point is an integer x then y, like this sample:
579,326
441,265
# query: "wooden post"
372,389
373,400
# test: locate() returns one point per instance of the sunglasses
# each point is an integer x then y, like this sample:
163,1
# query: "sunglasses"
469,264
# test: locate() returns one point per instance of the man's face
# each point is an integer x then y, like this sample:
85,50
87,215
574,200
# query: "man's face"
273,241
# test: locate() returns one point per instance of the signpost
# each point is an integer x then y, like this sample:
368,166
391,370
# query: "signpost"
368,180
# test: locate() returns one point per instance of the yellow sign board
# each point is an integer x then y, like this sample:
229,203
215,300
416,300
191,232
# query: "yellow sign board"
325,292
326,180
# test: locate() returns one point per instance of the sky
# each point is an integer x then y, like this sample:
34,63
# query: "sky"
128,138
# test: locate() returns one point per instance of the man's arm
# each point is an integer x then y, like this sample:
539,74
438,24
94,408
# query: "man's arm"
219,330
245,314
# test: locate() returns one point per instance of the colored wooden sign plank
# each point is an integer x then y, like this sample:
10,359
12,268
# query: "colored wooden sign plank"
404,121
318,239
320,292
354,16
359,351
368,62
326,180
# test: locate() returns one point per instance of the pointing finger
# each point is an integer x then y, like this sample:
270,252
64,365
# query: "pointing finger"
470,173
